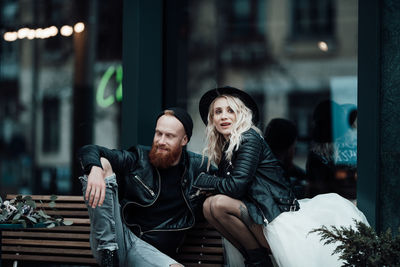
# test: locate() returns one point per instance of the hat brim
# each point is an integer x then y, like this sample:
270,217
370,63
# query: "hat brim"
209,97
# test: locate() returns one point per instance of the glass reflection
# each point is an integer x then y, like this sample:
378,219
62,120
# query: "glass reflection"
291,56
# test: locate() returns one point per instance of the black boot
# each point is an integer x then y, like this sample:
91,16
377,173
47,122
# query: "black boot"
109,258
258,257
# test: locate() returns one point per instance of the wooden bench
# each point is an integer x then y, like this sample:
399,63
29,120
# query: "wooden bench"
202,247
70,244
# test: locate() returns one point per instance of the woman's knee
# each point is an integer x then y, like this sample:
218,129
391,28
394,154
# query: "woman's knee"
221,205
207,207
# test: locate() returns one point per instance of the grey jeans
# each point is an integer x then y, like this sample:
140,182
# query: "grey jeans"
107,231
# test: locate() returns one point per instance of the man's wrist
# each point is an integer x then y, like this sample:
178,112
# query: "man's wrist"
96,170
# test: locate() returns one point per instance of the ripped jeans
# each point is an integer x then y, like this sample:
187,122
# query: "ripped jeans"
107,231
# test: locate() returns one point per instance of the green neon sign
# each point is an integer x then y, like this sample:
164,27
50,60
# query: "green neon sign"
108,101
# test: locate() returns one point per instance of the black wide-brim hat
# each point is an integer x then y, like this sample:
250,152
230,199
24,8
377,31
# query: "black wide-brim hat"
209,97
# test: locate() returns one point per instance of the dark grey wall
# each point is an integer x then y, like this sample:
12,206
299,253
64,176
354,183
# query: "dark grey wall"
378,191
390,116
142,64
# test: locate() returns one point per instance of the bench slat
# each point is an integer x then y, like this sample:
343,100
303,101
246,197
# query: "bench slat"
60,205
67,251
70,228
78,220
42,258
200,249
201,264
45,235
58,243
68,213
47,197
214,241
197,257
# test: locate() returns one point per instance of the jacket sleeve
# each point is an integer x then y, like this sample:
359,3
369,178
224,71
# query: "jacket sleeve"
120,160
245,164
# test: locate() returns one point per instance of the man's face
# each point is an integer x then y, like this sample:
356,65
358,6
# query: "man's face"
169,138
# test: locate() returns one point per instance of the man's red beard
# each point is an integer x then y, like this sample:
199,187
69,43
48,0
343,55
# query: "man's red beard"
165,159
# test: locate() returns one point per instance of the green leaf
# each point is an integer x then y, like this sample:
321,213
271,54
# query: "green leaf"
53,197
68,222
52,204
26,198
17,216
19,206
51,225
31,203
43,214
31,219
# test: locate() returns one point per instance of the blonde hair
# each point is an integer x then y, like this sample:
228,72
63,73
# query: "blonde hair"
215,142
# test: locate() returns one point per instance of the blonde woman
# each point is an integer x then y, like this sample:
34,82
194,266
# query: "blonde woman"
253,205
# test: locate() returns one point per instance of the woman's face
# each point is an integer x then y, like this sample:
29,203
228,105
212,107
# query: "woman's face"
223,117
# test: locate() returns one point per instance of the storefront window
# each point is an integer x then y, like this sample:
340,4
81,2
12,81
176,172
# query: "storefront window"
60,86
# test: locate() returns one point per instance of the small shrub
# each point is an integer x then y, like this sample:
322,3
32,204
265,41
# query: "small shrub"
362,246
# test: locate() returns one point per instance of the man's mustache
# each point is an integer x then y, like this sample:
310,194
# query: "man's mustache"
164,147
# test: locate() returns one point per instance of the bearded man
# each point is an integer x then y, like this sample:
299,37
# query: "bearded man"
141,201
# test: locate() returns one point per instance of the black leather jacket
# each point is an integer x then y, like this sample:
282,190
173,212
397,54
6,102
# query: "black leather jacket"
139,182
255,177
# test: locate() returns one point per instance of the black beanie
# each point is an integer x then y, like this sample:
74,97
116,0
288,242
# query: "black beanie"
183,117
280,134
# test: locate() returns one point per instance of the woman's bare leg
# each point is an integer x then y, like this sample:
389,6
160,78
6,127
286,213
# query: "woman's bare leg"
258,232
210,218
231,218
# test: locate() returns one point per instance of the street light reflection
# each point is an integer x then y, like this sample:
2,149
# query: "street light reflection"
79,27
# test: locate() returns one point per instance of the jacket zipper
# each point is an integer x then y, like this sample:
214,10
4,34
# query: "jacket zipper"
266,222
133,202
144,185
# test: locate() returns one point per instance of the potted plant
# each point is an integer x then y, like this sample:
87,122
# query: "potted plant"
362,246
23,210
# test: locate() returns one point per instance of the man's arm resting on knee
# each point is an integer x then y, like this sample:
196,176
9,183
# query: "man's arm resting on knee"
96,187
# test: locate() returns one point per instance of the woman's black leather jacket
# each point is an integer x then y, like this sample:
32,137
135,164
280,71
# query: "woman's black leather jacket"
139,182
253,176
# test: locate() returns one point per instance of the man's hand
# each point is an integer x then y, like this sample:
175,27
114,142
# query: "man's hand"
96,187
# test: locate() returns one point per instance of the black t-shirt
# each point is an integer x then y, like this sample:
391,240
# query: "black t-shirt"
169,204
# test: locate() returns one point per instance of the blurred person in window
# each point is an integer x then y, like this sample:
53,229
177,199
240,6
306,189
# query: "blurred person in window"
139,199
326,169
251,202
281,136
347,144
